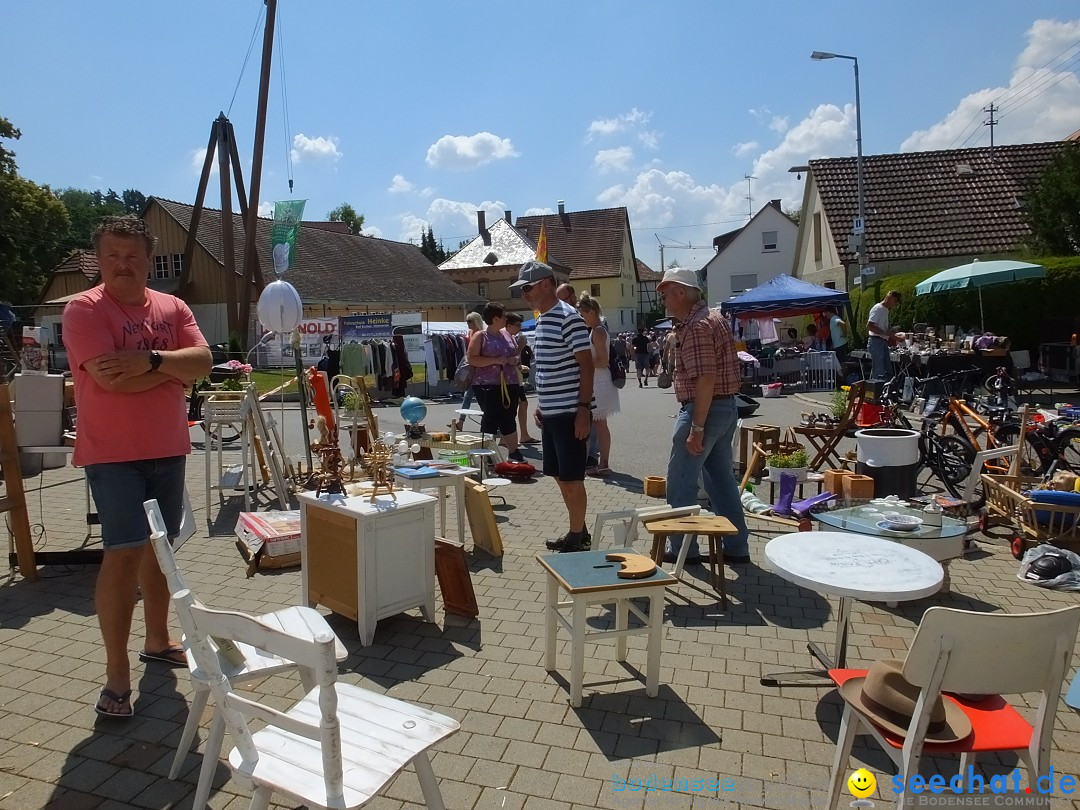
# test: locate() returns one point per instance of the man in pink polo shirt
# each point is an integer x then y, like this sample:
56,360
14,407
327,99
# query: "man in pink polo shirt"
132,350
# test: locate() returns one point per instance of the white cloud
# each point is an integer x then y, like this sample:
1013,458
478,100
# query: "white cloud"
399,185
538,212
1040,103
449,218
649,139
621,123
413,228
744,149
611,160
197,158
372,230
266,209
779,124
469,151
318,148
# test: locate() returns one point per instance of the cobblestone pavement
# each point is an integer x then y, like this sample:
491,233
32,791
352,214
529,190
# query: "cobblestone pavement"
521,744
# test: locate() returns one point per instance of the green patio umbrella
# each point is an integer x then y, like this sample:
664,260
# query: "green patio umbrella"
978,275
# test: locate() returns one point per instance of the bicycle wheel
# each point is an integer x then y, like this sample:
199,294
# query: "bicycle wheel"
1030,462
950,458
223,432
1068,450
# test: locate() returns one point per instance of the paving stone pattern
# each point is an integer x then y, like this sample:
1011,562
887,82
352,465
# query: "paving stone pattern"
521,745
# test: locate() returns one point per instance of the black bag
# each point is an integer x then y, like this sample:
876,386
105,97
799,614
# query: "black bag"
615,366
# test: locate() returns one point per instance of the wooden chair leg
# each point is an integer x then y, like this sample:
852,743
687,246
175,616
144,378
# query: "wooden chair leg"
658,541
716,568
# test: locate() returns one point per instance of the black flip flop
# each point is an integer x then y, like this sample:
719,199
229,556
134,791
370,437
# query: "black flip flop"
172,656
123,700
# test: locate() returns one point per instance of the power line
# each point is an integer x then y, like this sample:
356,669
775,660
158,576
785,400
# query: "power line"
243,67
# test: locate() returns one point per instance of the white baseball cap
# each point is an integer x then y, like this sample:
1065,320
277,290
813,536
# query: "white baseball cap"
680,275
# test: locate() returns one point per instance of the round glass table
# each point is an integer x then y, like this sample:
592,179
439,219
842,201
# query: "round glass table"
942,542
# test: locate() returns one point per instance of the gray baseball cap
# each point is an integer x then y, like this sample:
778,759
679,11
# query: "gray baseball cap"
531,272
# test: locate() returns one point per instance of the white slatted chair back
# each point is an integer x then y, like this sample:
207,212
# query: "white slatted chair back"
993,653
626,522
316,654
359,740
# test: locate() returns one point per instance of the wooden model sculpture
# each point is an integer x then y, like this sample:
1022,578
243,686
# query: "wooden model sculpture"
377,462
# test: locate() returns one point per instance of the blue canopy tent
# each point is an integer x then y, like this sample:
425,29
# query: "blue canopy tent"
784,296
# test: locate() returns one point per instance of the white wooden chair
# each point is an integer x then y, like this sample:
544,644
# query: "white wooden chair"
625,522
974,658
338,746
972,493
255,663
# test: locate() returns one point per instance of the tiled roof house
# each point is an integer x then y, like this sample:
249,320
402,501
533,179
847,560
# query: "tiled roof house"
487,266
924,210
598,248
335,273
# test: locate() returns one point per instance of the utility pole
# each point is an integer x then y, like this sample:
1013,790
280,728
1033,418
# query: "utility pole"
749,195
991,123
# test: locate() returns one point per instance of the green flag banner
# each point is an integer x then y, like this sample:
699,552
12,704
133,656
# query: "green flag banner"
287,217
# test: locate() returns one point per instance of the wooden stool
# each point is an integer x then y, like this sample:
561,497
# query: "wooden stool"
710,527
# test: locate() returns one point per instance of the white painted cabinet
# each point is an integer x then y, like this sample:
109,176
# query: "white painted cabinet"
368,560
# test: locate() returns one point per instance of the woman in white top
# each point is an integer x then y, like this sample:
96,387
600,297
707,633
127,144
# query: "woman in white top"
605,394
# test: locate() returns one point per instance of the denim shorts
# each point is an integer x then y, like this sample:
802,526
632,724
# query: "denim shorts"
119,489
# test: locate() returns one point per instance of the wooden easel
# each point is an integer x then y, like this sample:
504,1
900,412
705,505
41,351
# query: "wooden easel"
15,500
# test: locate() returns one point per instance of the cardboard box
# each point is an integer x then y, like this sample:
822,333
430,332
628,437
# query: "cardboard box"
278,531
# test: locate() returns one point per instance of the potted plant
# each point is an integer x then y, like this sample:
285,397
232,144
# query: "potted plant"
794,461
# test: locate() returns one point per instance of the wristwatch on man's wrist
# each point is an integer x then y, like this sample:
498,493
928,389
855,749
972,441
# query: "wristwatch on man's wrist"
697,428
155,360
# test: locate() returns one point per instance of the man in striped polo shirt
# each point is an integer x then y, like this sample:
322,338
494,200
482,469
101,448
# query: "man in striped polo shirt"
563,378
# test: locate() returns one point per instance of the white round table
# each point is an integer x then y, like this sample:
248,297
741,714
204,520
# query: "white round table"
850,566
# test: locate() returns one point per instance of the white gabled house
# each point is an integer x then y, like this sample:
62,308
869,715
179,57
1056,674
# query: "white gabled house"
759,251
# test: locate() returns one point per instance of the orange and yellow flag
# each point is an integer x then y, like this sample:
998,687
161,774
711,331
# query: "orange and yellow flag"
541,245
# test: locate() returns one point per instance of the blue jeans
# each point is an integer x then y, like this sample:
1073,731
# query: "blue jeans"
880,361
714,467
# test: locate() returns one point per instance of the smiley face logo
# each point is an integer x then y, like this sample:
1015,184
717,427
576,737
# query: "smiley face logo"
861,783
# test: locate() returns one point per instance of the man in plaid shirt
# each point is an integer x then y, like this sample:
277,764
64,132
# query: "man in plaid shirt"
706,381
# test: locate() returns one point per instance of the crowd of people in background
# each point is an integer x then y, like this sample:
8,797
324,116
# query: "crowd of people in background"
569,363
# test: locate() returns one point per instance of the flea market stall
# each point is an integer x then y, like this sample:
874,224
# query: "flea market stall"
781,359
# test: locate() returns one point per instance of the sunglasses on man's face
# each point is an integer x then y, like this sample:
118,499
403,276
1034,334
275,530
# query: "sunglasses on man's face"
526,288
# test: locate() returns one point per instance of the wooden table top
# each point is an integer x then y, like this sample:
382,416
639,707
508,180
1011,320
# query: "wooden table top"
693,524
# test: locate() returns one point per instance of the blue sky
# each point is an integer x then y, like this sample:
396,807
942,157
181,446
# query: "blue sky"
423,112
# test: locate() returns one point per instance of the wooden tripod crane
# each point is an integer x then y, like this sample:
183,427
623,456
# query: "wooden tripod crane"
222,143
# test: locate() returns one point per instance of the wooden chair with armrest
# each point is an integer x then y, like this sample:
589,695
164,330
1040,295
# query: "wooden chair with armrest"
824,440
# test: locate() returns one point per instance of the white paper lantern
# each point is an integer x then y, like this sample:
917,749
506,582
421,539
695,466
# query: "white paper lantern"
280,308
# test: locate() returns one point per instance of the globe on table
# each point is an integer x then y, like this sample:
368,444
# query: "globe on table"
413,410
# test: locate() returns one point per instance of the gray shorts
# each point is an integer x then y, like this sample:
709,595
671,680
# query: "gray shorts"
119,489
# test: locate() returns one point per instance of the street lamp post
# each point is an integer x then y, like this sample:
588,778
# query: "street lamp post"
860,238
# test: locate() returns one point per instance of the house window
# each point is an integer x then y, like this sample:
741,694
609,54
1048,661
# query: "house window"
622,316
177,264
741,282
482,289
817,236
768,240
161,267
594,290
515,292
829,285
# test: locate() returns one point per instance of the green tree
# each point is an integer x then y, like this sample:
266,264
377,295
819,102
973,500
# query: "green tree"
430,248
33,224
86,209
134,201
347,214
7,158
1052,206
